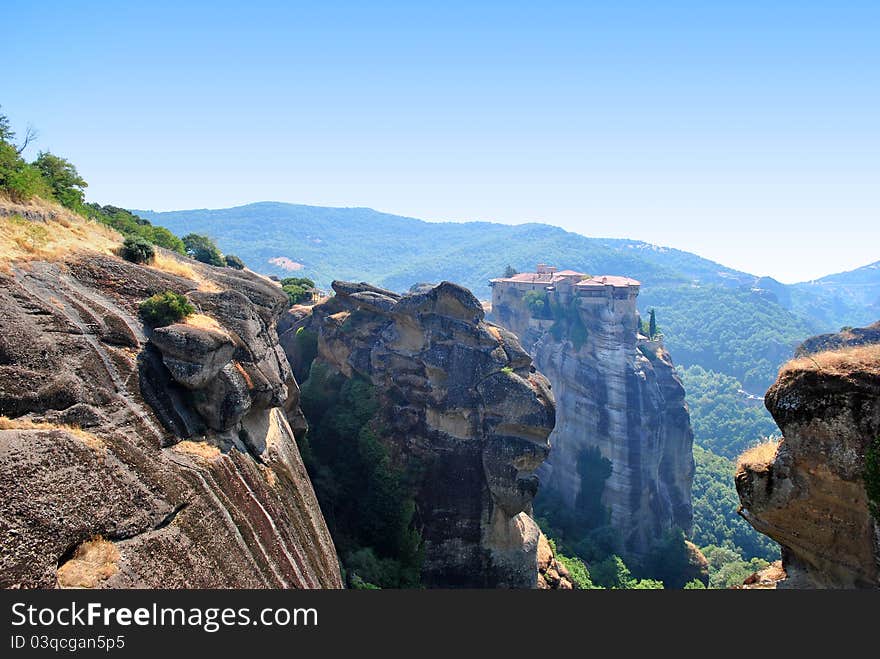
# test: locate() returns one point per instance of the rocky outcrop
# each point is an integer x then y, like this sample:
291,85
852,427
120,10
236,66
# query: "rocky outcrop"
855,336
817,496
167,453
459,398
616,393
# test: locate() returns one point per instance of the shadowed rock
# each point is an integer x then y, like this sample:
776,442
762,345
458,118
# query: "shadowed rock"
460,398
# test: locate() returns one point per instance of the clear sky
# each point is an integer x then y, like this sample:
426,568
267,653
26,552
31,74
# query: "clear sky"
745,131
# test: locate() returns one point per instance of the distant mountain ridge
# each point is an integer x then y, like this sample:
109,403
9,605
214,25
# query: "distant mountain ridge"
718,317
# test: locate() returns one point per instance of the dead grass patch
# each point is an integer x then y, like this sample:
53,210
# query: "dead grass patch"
204,322
53,236
176,266
86,438
198,449
862,359
93,561
758,458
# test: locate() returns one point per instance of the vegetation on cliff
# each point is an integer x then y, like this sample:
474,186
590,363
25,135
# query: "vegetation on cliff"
365,498
716,522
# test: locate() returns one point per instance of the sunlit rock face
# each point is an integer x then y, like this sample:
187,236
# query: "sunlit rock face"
616,392
458,397
166,453
818,496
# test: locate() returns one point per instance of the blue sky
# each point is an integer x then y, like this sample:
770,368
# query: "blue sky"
747,132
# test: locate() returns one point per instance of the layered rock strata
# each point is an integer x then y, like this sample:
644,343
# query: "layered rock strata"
167,453
459,397
818,494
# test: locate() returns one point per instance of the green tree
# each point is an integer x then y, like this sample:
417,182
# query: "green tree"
67,186
509,271
537,304
669,560
129,224
6,132
652,325
18,179
202,248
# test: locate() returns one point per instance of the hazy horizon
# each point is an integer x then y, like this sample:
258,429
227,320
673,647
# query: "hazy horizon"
438,221
745,132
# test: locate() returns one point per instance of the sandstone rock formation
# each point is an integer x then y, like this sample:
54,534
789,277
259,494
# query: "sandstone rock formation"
167,453
459,397
817,496
617,393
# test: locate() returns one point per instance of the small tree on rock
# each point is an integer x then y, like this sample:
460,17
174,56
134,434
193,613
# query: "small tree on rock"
202,248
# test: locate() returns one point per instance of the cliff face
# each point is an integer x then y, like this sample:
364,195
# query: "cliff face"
818,495
459,398
619,395
163,458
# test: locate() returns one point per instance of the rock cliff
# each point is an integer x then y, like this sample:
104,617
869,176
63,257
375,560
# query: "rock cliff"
619,401
458,399
132,457
817,492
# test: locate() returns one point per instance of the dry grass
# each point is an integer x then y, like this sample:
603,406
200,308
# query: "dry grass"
94,561
198,449
758,458
862,359
86,438
53,239
180,268
204,322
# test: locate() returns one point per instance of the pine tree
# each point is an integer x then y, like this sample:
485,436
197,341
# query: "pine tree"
652,325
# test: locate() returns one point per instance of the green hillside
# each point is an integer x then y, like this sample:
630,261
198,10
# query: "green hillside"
713,316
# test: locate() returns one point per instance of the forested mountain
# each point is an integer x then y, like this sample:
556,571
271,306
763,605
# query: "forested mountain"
713,316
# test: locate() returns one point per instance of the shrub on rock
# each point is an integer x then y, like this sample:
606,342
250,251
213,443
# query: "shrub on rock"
232,261
137,250
165,308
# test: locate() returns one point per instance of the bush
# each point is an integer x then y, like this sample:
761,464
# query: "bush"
232,261
298,289
577,572
202,248
137,250
165,308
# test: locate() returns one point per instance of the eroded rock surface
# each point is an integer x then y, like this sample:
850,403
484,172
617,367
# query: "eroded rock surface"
814,498
459,397
173,444
618,393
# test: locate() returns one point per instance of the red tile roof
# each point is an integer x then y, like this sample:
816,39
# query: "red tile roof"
609,280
